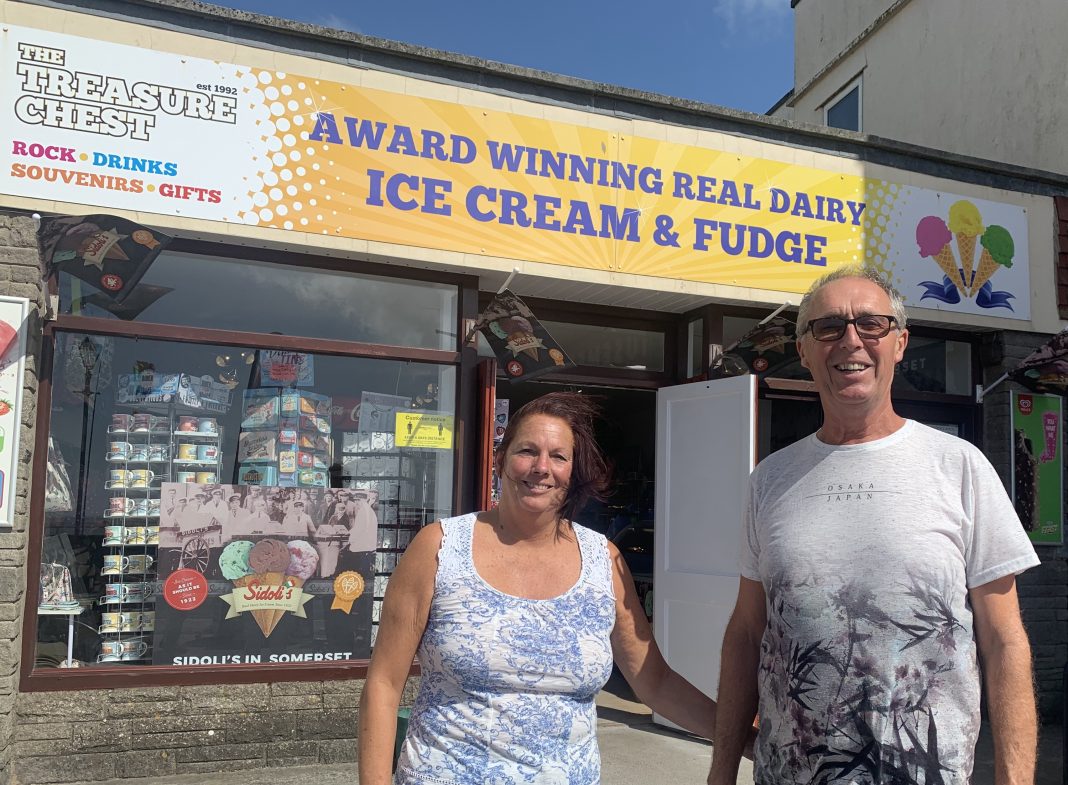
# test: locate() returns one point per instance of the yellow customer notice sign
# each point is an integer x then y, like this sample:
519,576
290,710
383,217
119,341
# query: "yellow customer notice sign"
417,429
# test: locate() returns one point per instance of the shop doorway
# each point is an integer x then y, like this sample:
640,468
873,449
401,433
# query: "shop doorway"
627,435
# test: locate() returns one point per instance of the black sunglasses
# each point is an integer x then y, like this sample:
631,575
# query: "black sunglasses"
831,328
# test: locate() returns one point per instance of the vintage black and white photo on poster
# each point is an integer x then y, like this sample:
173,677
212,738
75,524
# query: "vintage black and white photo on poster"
289,573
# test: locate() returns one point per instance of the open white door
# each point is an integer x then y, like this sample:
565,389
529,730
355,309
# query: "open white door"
705,451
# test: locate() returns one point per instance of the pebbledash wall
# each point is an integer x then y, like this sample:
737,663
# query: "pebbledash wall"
60,736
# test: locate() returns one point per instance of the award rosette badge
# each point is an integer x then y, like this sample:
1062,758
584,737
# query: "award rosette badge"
348,586
268,576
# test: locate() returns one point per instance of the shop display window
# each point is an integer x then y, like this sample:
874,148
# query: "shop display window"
610,347
214,504
193,290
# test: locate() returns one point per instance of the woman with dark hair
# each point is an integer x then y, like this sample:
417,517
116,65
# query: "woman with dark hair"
516,615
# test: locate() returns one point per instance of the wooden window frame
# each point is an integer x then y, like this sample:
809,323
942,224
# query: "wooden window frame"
464,360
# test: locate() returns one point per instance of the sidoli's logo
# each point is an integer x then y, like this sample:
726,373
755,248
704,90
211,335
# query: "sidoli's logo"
1026,404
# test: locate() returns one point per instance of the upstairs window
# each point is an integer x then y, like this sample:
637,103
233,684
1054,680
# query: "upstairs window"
843,110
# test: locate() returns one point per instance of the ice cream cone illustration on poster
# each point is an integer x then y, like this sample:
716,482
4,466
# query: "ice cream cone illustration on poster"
966,224
521,343
970,280
262,584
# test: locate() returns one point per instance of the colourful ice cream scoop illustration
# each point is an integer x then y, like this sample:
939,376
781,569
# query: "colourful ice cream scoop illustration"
998,250
966,223
233,561
267,562
517,324
303,561
934,238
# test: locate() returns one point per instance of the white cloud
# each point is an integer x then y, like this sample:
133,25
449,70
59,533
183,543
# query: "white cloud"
752,15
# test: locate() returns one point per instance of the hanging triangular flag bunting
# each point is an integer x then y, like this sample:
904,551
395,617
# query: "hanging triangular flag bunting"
766,348
106,251
523,347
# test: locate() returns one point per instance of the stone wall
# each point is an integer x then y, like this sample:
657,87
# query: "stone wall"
20,276
1043,590
149,732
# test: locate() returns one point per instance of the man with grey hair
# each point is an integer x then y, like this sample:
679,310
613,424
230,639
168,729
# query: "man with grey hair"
878,569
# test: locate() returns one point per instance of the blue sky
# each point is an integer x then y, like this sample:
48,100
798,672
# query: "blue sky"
736,53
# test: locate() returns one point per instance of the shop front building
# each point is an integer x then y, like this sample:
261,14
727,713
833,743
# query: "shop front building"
211,471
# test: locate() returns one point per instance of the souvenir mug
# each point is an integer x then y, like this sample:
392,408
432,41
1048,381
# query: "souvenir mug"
187,452
148,621
205,477
120,505
157,452
118,451
134,650
129,621
185,477
138,452
153,507
152,535
120,423
125,592
136,535
118,478
110,651
115,564
141,478
207,425
114,535
140,508
187,424
207,452
139,563
142,423
109,622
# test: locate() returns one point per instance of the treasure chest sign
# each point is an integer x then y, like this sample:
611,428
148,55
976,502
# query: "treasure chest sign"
259,574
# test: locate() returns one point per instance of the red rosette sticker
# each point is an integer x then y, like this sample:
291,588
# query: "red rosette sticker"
111,282
760,365
185,589
514,368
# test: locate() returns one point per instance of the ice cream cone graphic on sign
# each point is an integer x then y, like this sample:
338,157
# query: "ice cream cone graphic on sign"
998,250
966,223
934,239
303,561
269,559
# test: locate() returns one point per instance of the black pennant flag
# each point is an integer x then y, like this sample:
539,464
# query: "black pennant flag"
522,345
768,346
1046,368
106,251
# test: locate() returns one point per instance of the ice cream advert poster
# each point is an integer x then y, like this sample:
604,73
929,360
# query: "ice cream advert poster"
257,574
13,314
1038,465
99,123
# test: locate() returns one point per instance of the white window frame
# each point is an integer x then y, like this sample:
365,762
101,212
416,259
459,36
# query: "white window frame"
858,83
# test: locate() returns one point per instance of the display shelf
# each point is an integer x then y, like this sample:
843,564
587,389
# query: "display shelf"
71,614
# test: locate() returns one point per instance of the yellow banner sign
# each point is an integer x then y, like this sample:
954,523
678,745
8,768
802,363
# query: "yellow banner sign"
415,429
98,123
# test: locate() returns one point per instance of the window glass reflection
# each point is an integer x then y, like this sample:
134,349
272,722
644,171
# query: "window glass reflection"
609,347
214,504
233,294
